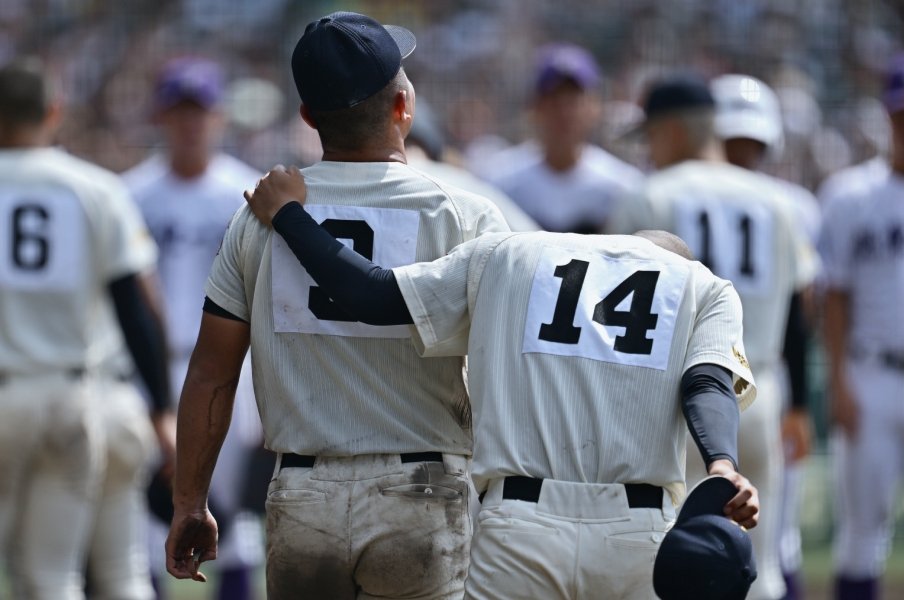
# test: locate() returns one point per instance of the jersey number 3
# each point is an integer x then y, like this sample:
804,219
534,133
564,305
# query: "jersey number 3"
594,306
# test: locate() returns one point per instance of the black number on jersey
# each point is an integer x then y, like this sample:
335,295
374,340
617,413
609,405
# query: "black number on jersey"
745,227
637,320
362,237
30,247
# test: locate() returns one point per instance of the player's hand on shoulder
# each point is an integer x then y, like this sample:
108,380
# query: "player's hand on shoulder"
192,540
274,190
744,508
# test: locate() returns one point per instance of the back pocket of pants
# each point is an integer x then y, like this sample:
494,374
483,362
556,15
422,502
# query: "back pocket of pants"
300,496
427,491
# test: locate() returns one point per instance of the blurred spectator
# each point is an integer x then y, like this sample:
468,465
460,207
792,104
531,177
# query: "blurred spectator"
188,194
562,181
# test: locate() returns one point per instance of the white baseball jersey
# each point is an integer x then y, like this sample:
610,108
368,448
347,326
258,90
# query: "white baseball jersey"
576,345
327,385
862,246
742,225
580,199
72,229
187,219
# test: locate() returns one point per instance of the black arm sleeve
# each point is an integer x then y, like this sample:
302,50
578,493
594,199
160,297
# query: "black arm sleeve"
711,410
361,289
144,337
795,351
215,309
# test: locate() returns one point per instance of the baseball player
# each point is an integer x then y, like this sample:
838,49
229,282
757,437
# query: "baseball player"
187,194
563,182
371,495
72,265
862,246
740,224
749,123
583,353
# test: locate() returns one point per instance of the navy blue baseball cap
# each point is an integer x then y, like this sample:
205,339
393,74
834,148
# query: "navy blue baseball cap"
345,58
706,555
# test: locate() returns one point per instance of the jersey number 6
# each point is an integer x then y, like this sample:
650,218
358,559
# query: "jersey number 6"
637,320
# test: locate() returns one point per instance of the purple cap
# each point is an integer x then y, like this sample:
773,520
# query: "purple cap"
893,86
194,79
565,62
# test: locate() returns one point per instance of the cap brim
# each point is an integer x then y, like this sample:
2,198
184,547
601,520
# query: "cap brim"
708,497
403,38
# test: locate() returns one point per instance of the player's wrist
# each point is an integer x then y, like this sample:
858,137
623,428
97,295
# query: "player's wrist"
721,466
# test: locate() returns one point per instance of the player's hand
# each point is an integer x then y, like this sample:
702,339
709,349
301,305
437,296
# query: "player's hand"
274,190
744,508
796,434
192,540
845,412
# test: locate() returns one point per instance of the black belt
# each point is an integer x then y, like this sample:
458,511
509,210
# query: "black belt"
640,495
305,461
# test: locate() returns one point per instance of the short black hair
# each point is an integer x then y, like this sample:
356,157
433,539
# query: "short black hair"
348,128
24,93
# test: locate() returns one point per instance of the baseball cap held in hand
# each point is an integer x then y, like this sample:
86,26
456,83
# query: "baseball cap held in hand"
706,555
345,58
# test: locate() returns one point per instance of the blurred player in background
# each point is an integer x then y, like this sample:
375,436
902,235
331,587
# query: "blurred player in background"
74,263
425,149
561,180
742,225
749,123
862,245
371,497
580,406
188,194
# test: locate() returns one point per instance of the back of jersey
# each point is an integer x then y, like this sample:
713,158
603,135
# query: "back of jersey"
576,351
741,225
72,229
326,384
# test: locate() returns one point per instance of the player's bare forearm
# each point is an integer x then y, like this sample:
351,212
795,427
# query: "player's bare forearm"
835,330
274,190
205,407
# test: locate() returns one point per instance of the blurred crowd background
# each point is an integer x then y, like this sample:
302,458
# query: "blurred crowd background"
473,64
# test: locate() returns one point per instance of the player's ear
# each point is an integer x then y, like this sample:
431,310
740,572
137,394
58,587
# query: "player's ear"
403,106
306,116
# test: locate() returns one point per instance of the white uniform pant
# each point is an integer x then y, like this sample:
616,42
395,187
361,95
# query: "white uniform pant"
869,470
761,460
369,526
118,554
579,541
50,465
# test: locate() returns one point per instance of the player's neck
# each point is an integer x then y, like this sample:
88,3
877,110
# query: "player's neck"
563,158
23,138
897,159
189,167
388,154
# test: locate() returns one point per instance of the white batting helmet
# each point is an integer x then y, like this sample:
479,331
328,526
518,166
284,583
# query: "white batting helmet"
747,108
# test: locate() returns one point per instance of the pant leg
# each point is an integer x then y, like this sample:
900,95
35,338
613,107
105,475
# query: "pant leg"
52,536
118,555
868,470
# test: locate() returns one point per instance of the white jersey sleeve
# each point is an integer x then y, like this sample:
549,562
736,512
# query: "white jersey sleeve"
225,286
439,296
126,246
718,339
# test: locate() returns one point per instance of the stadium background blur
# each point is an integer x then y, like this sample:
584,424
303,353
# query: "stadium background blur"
473,64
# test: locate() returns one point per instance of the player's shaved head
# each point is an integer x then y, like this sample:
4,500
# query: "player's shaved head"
667,241
24,94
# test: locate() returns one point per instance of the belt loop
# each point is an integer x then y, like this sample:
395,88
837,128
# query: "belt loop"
277,466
